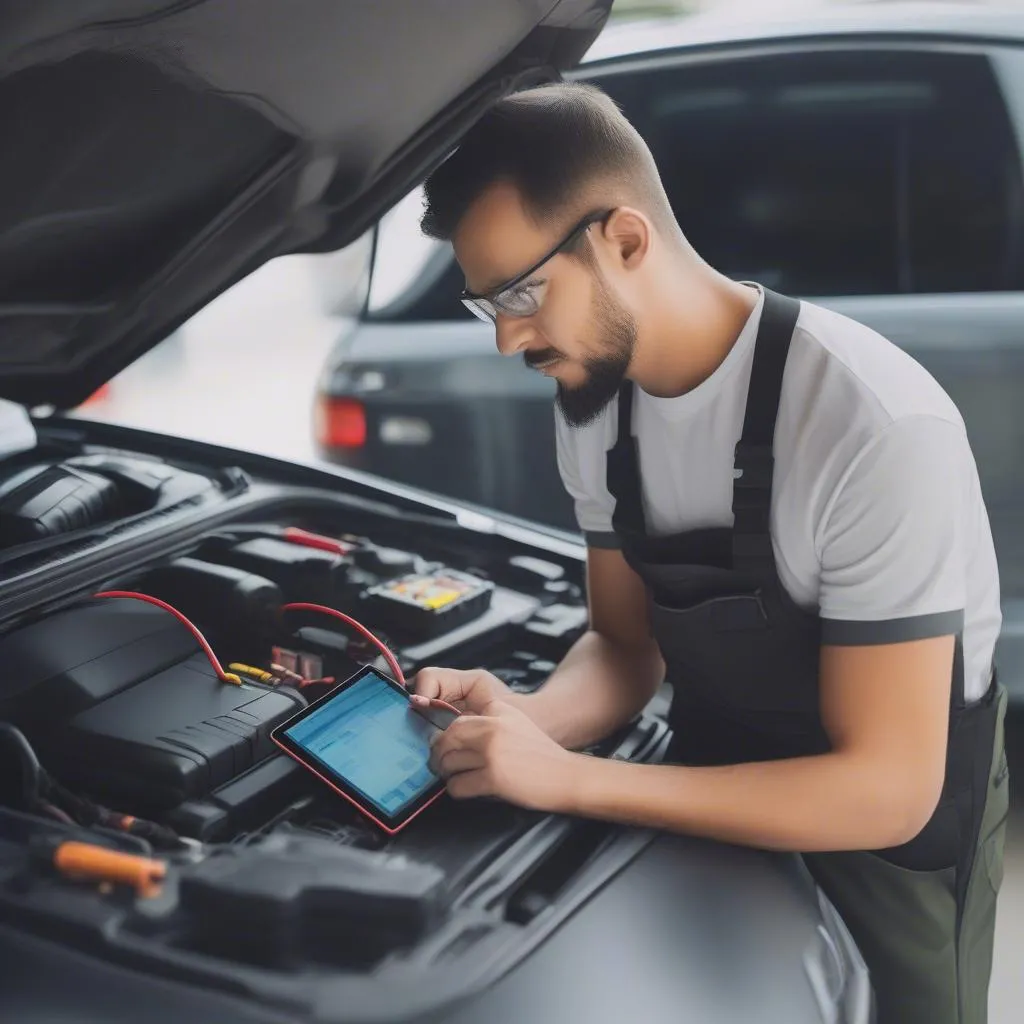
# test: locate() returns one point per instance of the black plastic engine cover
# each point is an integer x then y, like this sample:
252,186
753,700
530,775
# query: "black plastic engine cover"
121,704
71,660
172,737
48,500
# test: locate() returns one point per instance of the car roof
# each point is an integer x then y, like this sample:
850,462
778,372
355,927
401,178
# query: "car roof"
996,21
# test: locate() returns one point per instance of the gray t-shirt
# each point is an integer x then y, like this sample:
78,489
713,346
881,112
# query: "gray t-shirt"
878,521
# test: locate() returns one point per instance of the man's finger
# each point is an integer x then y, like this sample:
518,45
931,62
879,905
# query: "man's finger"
429,682
466,785
477,698
456,761
463,733
448,684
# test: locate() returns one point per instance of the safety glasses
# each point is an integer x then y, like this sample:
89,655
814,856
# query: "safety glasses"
519,297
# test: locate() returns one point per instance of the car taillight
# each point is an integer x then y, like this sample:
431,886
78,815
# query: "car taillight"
101,394
340,422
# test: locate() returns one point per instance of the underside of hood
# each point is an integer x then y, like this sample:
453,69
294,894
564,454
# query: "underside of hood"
154,153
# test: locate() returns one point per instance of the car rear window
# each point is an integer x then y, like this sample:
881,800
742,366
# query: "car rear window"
864,172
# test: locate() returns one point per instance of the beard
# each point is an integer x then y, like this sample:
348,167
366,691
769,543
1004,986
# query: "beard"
605,373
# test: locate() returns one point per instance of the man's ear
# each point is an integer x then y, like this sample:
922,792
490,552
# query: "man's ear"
631,235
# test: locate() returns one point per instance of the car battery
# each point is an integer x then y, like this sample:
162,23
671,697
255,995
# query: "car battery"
423,605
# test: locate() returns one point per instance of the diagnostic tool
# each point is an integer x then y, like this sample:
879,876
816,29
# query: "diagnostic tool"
371,745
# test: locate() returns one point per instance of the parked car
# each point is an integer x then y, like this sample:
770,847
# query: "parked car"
868,159
159,860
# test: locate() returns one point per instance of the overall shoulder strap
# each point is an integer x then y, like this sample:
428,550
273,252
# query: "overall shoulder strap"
754,460
623,470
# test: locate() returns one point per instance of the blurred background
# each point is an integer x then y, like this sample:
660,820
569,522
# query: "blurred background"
883,180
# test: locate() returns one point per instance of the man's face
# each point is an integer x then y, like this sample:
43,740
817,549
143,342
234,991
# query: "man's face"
580,334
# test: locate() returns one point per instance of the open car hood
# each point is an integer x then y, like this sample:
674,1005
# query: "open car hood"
157,151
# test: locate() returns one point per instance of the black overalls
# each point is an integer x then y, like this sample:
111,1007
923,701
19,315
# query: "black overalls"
743,661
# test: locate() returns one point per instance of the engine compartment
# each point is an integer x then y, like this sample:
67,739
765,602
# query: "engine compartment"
144,721
277,887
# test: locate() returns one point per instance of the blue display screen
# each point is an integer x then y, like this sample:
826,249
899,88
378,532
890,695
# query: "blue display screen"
368,735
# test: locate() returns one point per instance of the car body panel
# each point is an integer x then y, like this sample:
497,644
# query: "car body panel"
690,931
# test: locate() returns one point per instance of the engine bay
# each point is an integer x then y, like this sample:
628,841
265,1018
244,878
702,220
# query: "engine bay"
148,702
147,720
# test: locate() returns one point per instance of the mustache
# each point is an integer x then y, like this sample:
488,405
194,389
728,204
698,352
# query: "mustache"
539,357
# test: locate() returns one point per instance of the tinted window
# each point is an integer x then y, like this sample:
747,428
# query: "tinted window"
840,173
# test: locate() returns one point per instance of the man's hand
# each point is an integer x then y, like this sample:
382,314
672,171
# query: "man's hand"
499,751
468,690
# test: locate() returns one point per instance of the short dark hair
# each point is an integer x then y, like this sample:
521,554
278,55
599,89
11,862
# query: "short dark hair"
553,144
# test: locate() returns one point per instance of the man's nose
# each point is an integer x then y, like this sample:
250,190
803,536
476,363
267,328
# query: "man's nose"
512,334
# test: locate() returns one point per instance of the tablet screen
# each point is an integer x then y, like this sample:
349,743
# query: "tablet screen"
367,735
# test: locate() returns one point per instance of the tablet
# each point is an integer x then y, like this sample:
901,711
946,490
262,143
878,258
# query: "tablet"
371,745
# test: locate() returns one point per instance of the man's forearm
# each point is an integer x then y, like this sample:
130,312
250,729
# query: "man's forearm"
832,802
598,687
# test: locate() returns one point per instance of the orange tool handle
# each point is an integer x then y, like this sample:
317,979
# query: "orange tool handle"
85,861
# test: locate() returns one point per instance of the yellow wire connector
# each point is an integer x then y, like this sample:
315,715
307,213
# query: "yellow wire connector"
253,673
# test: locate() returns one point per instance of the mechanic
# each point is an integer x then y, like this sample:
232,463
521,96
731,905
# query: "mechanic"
783,518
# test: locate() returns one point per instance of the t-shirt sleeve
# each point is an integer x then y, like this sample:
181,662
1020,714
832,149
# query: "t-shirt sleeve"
586,487
892,541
